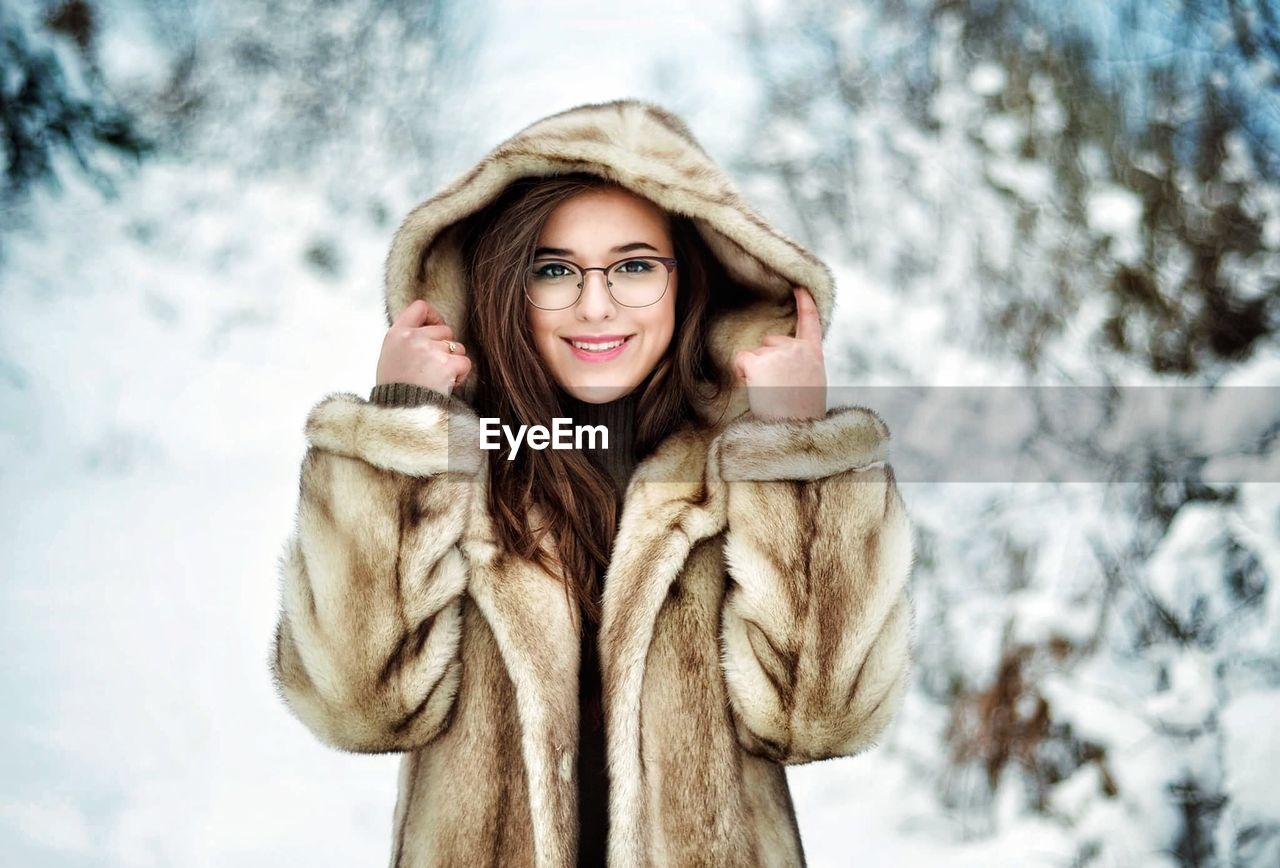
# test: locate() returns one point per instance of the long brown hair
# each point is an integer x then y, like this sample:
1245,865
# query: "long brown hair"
513,384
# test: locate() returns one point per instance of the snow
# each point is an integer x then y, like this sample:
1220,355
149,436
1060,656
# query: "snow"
1096,712
1002,134
1252,752
1183,573
987,79
1040,616
1190,701
1116,212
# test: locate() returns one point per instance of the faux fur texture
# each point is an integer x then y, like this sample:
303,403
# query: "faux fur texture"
755,607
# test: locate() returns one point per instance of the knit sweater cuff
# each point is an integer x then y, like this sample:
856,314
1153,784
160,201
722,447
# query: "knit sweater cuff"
406,395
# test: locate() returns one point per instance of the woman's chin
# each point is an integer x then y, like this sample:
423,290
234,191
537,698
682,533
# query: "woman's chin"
597,386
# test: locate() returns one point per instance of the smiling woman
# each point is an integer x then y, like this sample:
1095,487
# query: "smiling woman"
635,292
597,656
626,317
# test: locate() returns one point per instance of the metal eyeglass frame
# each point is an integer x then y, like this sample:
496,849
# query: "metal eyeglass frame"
668,261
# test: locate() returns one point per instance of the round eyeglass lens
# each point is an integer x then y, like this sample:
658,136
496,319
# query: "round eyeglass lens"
638,282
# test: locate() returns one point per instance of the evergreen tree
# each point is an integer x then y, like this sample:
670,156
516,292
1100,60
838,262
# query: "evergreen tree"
53,101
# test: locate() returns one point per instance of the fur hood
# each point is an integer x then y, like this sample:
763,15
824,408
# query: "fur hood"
755,612
651,152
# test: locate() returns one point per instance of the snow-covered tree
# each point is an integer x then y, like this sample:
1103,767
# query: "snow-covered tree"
1123,155
54,102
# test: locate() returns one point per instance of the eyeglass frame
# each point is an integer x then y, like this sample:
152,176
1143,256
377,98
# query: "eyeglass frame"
669,261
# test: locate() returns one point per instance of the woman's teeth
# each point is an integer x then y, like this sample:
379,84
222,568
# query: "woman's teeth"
597,348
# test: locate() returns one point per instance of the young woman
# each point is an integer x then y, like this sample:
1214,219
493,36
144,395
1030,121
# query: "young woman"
602,654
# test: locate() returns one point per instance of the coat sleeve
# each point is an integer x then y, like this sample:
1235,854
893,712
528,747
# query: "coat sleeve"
366,647
816,622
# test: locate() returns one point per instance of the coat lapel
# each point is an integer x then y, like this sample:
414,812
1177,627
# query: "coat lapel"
667,509
531,619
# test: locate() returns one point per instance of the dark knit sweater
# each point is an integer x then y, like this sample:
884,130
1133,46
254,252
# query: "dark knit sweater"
618,462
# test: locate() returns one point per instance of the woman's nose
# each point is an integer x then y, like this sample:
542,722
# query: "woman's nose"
595,301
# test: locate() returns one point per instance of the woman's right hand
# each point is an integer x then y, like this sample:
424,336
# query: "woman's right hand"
416,350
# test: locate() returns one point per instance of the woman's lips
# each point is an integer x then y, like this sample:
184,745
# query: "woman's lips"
589,356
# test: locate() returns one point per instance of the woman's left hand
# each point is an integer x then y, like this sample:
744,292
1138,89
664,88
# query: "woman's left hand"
786,377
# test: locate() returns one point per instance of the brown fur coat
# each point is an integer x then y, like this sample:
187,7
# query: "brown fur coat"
755,611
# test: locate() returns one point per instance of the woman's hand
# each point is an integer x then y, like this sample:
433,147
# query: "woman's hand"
786,377
416,350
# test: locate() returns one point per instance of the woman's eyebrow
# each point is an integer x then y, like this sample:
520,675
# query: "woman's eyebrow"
621,248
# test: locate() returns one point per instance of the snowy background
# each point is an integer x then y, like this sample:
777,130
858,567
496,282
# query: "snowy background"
197,201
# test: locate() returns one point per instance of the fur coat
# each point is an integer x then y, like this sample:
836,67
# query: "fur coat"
755,612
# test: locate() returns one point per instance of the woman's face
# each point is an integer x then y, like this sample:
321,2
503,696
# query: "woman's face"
598,228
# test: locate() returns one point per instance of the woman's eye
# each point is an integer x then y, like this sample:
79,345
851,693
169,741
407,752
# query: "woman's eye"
548,270
641,266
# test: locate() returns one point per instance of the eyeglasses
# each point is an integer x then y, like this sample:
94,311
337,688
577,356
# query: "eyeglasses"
639,281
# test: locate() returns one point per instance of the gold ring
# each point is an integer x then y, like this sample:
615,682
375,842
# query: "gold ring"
452,346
